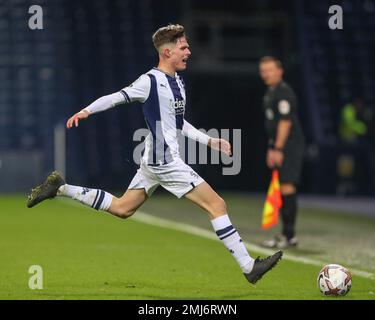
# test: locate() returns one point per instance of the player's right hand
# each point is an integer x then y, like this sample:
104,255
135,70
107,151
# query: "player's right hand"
75,118
220,145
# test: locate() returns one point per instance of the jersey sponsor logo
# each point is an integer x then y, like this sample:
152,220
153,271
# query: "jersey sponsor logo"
269,114
284,107
177,105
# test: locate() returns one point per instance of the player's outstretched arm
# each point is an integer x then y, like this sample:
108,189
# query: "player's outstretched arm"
99,105
139,91
191,132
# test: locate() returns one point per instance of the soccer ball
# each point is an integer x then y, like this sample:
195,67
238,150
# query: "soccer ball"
334,280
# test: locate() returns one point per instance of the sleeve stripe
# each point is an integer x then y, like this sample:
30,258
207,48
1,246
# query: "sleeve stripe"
127,99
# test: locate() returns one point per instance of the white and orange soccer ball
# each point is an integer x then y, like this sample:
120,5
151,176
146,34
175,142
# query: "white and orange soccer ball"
334,280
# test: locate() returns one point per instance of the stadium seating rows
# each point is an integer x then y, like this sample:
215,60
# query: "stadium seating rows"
342,67
86,49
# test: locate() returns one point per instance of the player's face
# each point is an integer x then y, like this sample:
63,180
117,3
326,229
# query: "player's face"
270,73
180,54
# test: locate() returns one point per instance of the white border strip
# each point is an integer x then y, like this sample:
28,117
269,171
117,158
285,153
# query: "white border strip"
164,223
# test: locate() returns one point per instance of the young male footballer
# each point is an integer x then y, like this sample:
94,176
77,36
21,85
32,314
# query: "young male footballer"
161,91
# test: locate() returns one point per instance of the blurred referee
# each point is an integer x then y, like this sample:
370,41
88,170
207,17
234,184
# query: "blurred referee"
285,145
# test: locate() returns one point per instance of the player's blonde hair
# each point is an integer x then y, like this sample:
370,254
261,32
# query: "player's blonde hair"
169,34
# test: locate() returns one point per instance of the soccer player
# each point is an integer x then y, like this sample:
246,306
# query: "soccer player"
286,145
162,92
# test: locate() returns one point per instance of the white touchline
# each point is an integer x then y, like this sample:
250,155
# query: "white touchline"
160,222
187,228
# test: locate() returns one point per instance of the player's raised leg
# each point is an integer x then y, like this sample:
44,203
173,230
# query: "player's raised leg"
47,190
98,199
205,197
128,204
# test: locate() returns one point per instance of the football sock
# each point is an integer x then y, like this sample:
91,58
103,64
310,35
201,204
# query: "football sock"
232,240
97,199
288,215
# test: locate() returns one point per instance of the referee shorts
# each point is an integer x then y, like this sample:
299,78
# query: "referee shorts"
290,171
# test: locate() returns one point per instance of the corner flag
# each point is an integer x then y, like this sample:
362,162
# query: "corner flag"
273,203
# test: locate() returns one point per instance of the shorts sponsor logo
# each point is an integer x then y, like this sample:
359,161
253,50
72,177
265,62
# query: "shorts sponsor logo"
194,174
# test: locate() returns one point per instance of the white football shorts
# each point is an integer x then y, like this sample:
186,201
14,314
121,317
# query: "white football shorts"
177,177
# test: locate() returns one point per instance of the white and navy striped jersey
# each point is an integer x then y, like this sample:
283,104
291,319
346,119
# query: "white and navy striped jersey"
163,99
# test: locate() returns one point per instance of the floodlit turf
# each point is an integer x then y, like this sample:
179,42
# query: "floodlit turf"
346,239
90,255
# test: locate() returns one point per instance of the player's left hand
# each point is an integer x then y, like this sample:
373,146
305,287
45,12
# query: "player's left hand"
73,120
274,158
221,145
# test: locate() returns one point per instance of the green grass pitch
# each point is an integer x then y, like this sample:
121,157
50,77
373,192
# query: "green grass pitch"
89,255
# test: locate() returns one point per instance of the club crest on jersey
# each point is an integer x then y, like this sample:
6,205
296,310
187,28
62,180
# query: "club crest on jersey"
177,105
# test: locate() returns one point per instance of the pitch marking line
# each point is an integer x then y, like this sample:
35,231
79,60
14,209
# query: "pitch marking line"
160,222
164,223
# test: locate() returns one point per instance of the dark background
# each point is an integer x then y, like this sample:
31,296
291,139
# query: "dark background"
88,49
